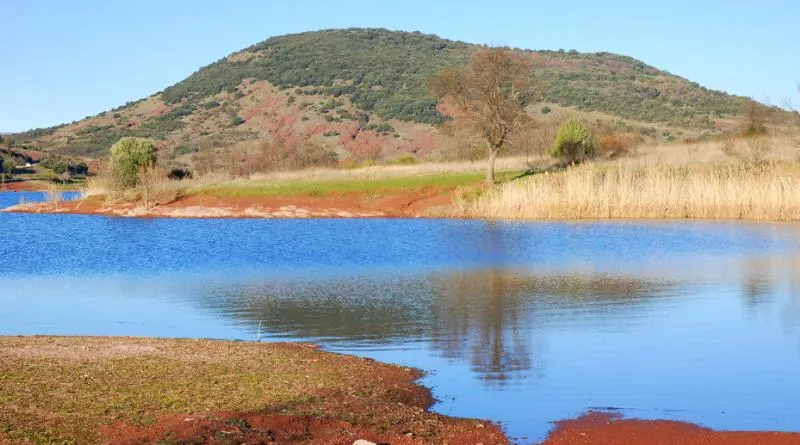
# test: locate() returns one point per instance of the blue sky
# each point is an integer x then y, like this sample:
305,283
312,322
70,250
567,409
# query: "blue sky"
65,60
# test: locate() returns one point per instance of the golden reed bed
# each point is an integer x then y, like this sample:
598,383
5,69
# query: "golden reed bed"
768,191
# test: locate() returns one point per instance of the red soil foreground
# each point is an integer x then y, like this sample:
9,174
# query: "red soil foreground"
404,203
608,429
22,186
255,428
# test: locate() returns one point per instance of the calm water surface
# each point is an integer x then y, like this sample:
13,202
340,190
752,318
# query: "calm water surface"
521,323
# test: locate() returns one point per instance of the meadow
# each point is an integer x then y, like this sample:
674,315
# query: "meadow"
739,179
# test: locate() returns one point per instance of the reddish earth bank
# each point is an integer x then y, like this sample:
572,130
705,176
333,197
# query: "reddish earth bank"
22,186
608,429
423,202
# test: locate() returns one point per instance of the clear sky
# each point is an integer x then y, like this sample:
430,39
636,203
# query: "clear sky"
64,60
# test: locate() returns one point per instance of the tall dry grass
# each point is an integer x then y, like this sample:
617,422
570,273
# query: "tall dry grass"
769,191
154,188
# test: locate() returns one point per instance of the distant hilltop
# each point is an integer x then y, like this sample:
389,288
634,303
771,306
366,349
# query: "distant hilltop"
360,90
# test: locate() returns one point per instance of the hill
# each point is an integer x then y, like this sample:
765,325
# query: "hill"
362,93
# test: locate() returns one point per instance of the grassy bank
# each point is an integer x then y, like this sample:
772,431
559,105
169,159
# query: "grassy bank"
327,186
767,191
316,182
57,390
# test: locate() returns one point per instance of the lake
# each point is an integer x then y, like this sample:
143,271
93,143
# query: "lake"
523,323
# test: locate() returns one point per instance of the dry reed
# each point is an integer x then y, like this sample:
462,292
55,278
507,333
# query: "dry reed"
769,191
53,194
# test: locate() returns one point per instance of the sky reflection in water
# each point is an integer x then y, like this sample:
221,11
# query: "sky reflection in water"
523,323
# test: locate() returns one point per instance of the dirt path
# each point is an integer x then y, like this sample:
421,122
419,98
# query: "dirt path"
429,201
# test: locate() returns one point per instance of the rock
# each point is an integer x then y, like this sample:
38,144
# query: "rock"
363,442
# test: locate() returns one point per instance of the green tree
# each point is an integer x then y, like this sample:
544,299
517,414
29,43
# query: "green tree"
573,142
6,169
129,157
488,97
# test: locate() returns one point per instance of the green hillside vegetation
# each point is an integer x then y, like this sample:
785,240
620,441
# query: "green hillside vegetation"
380,71
385,72
374,75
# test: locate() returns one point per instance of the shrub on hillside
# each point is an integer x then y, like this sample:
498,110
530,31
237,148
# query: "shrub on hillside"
179,174
615,144
310,154
573,142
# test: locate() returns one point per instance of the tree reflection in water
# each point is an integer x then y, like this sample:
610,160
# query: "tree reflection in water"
492,319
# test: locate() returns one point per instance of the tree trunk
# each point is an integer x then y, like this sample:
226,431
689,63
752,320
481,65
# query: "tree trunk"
490,165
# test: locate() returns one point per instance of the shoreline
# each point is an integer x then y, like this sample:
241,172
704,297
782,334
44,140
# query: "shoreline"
425,204
374,401
129,390
603,428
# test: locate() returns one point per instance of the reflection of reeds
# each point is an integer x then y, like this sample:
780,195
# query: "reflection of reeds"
758,192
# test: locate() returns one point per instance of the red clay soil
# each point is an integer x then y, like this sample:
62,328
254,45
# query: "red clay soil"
255,428
608,429
406,203
22,186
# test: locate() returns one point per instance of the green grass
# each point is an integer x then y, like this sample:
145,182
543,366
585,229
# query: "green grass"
61,390
306,187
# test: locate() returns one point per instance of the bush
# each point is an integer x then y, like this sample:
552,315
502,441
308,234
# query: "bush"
310,154
614,144
405,160
129,156
573,142
79,169
7,167
546,109
59,167
384,127
179,174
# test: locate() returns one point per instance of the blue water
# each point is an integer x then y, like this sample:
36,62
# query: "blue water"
520,323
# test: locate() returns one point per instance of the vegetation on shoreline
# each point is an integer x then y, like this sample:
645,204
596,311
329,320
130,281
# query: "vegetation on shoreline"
764,191
64,390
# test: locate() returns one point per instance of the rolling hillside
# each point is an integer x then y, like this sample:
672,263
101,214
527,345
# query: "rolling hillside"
362,93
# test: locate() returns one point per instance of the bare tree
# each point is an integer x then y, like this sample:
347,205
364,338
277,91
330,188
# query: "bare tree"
488,97
147,175
754,118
